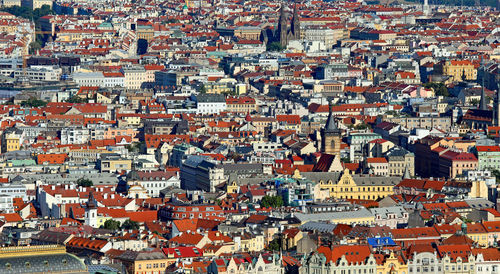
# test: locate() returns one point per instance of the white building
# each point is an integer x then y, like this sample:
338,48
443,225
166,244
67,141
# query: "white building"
210,103
74,135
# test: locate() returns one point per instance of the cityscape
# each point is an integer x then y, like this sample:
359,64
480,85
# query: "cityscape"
250,136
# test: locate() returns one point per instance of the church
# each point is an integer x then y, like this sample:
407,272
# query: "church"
331,138
284,33
482,117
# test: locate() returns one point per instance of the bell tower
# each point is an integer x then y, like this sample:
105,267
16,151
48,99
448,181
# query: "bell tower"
330,135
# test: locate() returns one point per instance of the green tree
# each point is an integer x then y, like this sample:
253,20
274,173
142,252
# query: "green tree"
203,89
34,103
84,182
274,245
128,224
345,160
111,224
34,46
274,46
439,88
474,102
76,99
272,201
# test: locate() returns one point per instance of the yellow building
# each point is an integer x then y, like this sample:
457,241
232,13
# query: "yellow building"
39,259
458,69
12,140
145,262
113,163
391,264
252,243
360,187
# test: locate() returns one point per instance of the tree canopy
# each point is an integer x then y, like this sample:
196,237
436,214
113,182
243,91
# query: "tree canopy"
274,46
272,201
84,182
439,88
111,224
128,224
34,103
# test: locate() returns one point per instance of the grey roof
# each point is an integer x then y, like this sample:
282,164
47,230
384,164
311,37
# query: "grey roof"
334,216
211,98
375,181
317,226
479,203
322,176
60,263
131,256
384,211
331,125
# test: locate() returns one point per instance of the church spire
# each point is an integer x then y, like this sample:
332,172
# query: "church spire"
330,125
482,103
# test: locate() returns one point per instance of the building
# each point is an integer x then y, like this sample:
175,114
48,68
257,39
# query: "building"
453,163
392,217
39,259
399,160
111,162
344,185
199,172
340,259
488,157
283,33
210,103
153,181
12,139
331,136
144,261
460,70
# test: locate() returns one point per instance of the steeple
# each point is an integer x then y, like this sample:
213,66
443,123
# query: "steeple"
482,103
330,125
496,107
406,175
282,30
331,135
295,27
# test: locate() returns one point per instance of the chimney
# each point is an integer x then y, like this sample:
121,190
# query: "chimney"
53,187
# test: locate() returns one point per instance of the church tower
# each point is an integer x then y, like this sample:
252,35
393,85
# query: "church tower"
295,27
496,108
330,135
91,211
282,30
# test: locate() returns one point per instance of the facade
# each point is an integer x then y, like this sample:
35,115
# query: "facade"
488,157
390,216
340,259
198,172
210,103
153,181
460,70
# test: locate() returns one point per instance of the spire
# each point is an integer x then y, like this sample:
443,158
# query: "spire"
91,201
406,175
482,104
331,126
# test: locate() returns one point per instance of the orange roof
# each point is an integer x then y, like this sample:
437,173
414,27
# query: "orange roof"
143,216
11,217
